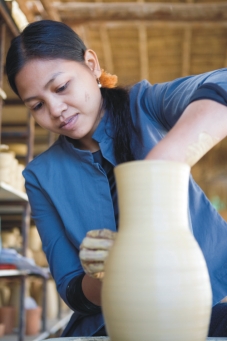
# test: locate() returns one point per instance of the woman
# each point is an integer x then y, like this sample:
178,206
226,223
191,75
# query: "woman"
71,186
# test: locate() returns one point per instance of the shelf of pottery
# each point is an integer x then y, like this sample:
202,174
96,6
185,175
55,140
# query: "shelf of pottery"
30,307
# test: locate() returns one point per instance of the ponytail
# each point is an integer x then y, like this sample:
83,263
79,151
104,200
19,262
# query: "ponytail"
116,101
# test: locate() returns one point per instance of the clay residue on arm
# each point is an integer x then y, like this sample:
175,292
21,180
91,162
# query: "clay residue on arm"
199,148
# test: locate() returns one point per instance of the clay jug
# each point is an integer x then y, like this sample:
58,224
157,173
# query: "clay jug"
33,320
156,284
7,317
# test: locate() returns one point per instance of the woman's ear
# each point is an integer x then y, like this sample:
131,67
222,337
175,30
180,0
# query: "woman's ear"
92,62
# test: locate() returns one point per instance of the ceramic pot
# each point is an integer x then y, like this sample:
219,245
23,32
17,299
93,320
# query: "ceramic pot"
52,299
33,321
7,317
14,301
5,293
5,175
2,329
8,239
34,240
6,159
40,258
156,284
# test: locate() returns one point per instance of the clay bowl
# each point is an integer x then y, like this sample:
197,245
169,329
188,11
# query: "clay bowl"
2,329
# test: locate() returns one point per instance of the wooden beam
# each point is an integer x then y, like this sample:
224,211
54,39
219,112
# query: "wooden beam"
81,11
6,16
186,51
52,11
157,24
29,15
82,33
107,51
143,50
144,60
36,8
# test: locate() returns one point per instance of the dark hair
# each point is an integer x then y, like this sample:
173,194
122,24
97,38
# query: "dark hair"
47,39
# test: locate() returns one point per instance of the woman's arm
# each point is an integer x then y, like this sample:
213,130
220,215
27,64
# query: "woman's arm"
202,125
92,289
62,256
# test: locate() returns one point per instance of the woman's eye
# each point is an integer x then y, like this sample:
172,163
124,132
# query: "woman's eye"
37,107
62,88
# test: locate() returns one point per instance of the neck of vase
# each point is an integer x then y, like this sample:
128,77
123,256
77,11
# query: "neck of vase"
153,192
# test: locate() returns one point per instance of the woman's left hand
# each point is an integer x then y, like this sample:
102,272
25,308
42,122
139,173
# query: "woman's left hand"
94,250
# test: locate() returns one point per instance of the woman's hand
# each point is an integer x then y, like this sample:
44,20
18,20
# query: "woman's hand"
94,250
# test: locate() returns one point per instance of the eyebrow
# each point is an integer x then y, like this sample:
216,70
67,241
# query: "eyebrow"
45,86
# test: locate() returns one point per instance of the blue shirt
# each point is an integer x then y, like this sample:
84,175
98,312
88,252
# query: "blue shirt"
69,192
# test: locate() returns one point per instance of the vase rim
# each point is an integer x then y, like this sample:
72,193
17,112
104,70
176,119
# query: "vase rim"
139,163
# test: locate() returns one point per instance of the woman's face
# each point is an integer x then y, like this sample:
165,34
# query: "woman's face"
63,96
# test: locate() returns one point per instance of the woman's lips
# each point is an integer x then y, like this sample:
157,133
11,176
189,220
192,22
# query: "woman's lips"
69,122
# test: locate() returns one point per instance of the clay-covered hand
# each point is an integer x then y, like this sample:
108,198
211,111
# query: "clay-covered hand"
94,250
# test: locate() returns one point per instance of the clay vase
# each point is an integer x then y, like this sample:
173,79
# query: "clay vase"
52,299
33,321
7,317
2,329
156,284
14,301
34,240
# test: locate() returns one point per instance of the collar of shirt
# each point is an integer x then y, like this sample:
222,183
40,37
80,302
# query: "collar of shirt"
103,135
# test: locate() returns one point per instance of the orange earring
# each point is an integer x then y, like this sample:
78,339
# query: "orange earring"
107,80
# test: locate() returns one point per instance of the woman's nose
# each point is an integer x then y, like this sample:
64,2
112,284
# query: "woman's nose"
56,108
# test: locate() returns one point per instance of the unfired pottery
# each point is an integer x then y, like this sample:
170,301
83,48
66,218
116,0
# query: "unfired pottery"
156,284
14,301
7,317
2,329
52,299
34,240
33,321
5,293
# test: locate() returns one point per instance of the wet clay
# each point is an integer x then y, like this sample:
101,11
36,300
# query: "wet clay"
196,150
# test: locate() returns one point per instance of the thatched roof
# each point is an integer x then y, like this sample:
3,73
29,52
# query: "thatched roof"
145,39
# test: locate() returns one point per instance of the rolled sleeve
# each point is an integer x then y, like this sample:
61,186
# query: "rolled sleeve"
166,102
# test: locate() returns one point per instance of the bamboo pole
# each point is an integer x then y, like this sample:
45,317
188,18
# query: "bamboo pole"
29,15
141,11
52,11
186,52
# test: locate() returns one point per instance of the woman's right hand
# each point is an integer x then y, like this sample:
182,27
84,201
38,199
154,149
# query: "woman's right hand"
94,250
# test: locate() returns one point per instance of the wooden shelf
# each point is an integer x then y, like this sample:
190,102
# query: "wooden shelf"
12,200
13,273
53,326
8,193
37,271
